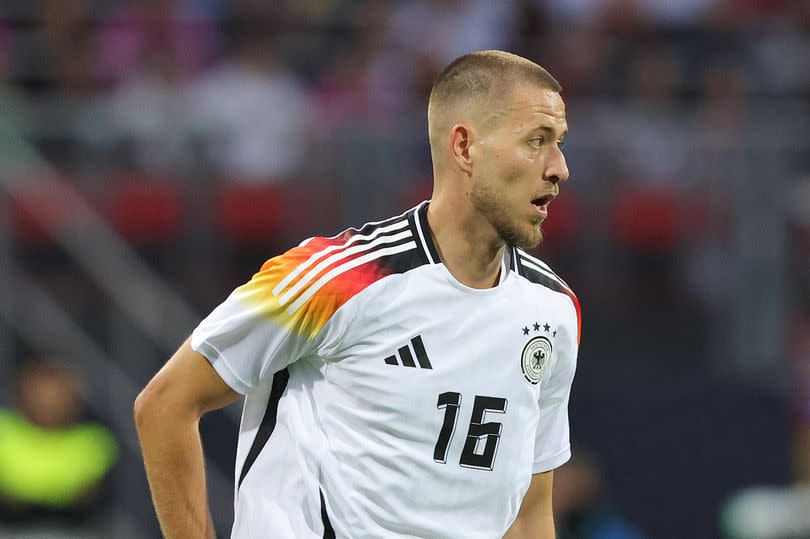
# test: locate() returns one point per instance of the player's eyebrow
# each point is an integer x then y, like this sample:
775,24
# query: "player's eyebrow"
549,130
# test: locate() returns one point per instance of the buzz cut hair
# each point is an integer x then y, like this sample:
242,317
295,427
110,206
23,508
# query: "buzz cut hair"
481,77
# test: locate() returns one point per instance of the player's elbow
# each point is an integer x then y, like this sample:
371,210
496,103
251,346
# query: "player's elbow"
145,407
152,404
164,405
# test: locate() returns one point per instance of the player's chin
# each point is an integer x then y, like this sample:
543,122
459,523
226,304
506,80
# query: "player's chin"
534,241
529,238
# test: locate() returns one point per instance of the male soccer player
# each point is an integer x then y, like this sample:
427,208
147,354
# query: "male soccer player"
409,378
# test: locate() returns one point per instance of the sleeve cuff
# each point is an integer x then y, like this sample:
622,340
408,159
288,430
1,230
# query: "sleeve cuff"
546,464
220,365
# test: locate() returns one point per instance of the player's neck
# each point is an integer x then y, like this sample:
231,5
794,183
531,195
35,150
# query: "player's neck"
468,248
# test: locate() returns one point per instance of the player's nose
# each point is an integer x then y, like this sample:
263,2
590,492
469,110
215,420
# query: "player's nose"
556,168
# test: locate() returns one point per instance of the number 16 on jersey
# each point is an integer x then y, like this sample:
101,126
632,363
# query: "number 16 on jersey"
478,430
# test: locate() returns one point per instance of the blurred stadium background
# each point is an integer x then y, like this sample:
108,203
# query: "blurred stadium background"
154,153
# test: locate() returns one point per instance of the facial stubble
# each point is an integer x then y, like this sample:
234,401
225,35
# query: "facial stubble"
489,204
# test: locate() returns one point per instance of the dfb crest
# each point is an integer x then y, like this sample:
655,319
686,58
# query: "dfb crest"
535,357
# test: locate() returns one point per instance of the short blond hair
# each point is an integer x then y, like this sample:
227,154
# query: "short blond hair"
483,77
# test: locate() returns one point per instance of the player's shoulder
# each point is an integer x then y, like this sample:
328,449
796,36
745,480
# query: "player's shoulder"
538,272
323,273
380,247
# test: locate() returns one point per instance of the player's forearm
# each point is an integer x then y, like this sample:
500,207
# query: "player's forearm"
173,457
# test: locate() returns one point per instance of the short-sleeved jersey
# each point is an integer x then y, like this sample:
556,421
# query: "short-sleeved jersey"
386,399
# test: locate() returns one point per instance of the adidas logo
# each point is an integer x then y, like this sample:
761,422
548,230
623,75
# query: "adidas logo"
405,355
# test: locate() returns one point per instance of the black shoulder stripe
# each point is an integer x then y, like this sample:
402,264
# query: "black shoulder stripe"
395,226
424,253
369,229
538,277
543,267
405,260
538,272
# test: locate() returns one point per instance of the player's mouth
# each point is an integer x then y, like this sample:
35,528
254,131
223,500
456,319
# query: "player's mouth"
541,204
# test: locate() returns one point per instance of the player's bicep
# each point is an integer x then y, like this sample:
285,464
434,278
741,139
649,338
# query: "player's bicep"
538,498
536,518
188,384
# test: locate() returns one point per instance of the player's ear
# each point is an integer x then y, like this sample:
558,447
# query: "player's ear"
460,140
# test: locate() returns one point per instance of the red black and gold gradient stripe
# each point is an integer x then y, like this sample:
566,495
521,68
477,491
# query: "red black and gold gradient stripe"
313,315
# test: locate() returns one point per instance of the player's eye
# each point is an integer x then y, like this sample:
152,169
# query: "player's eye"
560,143
537,141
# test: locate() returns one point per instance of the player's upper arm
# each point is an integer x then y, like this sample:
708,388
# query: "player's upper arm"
536,518
187,385
538,497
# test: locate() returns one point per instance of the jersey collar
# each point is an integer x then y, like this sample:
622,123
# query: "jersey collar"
420,225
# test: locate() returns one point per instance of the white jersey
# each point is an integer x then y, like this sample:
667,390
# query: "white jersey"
386,399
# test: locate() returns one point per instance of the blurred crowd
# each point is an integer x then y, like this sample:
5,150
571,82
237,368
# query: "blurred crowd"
179,115
210,134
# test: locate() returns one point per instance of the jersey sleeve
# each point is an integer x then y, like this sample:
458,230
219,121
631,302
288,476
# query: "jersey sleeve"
279,316
552,446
